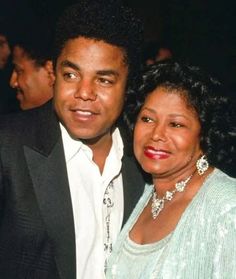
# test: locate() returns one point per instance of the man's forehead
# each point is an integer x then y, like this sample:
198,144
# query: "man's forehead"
19,52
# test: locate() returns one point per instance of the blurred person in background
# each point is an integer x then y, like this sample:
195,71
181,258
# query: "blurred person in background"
155,51
8,102
32,76
4,50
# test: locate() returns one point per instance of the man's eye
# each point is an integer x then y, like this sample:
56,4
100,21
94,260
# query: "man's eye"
18,71
105,81
69,76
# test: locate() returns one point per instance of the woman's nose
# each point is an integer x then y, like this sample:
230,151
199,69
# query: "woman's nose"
159,133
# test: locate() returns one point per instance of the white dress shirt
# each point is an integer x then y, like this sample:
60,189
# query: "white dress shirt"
87,187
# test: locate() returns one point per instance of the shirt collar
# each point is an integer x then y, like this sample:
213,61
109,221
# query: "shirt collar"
72,146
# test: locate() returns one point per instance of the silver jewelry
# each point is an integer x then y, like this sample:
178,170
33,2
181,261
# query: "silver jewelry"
158,204
202,165
108,204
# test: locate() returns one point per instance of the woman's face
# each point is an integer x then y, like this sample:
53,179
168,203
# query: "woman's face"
167,134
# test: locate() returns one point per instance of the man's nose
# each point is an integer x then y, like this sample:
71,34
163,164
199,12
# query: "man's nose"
85,91
13,79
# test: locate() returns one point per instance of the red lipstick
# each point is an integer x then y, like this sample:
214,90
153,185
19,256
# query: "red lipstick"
156,154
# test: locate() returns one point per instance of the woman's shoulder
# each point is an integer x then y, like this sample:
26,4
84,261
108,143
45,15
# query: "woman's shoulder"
223,181
220,191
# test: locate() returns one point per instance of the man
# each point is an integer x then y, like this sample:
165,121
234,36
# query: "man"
69,181
33,75
8,102
4,50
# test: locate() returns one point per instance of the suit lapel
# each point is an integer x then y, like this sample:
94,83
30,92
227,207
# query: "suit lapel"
133,176
47,169
52,190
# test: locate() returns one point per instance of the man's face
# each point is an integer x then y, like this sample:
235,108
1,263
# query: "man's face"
90,85
4,51
31,82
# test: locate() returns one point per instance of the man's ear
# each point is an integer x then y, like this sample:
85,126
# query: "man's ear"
49,68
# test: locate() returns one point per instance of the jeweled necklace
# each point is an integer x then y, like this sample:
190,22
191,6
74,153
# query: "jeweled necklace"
158,204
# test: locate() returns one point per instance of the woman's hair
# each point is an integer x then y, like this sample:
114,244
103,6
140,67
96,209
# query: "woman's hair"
201,92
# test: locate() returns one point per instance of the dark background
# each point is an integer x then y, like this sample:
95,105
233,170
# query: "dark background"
202,32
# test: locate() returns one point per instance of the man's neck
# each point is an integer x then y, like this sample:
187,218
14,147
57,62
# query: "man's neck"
100,150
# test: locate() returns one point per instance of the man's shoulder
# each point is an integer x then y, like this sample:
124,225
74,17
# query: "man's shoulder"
24,117
25,123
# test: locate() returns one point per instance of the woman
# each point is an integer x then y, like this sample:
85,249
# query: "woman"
184,225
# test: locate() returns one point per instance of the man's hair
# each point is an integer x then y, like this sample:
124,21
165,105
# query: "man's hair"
105,20
36,41
5,29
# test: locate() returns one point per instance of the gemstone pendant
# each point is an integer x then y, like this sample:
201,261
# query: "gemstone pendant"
157,206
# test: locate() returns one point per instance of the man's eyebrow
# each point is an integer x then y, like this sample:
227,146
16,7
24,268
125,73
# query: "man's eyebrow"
107,73
67,63
15,64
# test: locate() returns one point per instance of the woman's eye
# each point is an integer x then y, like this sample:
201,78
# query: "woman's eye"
146,119
176,125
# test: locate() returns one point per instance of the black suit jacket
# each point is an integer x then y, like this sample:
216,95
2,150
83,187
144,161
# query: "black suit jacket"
37,238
